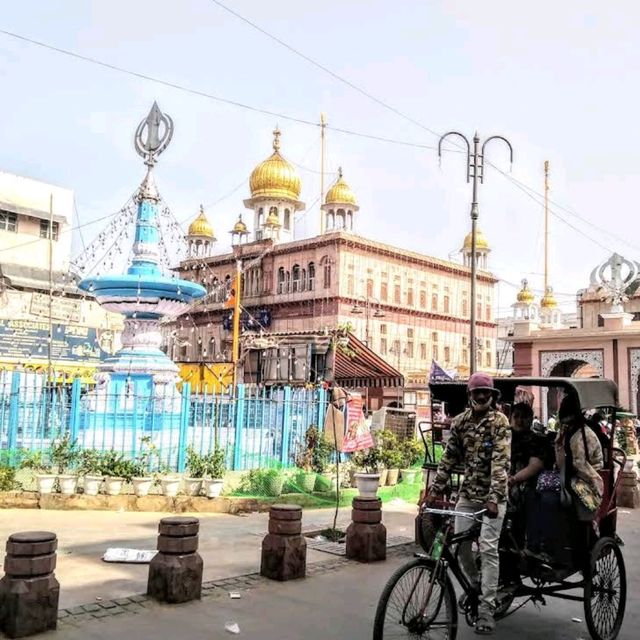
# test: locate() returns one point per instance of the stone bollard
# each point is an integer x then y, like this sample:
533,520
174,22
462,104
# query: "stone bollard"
628,490
29,590
284,549
175,572
366,535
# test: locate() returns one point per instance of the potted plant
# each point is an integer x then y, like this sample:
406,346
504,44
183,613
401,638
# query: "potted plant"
368,478
169,481
304,460
40,463
64,454
115,470
91,471
411,453
215,467
142,479
196,468
391,459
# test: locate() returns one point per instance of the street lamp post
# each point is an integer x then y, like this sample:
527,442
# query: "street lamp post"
475,172
366,309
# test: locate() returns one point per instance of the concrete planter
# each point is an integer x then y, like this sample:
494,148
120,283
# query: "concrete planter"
409,476
113,485
45,482
383,477
68,484
306,480
92,485
392,477
368,484
213,487
142,486
193,486
170,486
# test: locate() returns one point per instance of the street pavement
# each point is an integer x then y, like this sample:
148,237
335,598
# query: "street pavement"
337,600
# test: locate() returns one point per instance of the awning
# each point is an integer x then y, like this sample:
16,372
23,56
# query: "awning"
356,365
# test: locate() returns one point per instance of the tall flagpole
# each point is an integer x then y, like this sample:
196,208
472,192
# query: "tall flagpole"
546,225
323,124
50,341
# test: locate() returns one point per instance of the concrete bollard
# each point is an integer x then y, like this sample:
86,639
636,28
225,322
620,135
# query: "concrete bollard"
29,591
366,535
628,490
175,572
284,549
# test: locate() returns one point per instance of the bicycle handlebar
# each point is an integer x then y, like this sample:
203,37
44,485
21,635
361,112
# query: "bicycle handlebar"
476,516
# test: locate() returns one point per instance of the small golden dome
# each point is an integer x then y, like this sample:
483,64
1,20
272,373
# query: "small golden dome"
525,294
340,192
481,242
201,226
240,227
548,300
275,177
272,220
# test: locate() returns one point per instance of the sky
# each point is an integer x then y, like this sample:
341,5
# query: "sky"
559,80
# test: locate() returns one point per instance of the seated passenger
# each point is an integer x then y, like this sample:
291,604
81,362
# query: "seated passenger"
528,453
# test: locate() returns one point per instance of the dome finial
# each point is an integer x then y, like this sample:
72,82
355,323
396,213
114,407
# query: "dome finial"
525,294
339,172
202,209
276,139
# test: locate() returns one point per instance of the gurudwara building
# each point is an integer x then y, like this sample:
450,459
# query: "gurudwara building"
408,307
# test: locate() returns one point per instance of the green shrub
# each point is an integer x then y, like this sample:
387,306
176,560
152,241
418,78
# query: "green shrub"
7,478
260,481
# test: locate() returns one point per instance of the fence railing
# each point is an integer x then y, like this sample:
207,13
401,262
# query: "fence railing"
256,427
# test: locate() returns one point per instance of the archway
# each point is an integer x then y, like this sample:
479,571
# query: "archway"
570,368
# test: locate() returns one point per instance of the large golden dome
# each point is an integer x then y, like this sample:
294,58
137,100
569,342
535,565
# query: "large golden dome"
201,226
548,300
275,177
340,192
481,242
525,294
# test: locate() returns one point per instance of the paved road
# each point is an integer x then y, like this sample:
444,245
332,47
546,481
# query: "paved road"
336,603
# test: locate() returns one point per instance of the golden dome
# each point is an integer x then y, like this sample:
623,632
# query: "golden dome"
525,294
240,227
275,177
548,300
201,226
481,242
340,192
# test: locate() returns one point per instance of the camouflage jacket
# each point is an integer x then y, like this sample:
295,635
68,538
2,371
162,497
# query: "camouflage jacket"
484,450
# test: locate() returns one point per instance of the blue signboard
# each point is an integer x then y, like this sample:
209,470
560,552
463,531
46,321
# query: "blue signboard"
21,339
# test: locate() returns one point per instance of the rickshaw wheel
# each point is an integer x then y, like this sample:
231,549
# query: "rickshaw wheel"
605,591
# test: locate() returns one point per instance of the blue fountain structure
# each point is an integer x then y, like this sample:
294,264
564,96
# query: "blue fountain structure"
140,369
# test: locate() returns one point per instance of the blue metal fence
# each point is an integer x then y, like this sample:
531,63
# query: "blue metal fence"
258,428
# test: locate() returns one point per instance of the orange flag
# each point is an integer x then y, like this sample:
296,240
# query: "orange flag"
230,302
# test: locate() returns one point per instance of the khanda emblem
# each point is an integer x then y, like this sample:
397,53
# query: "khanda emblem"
153,135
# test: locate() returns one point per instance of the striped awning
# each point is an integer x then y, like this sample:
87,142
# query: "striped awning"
357,366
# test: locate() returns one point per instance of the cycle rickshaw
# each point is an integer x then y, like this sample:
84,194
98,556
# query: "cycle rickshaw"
419,600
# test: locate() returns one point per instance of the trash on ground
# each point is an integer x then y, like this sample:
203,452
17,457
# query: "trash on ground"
232,627
98,598
235,595
576,619
624,511
131,556
321,539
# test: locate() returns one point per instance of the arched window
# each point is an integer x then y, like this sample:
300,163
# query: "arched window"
287,282
296,278
446,304
350,220
331,219
326,268
341,219
465,307
434,302
260,216
311,276
369,287
281,280
287,219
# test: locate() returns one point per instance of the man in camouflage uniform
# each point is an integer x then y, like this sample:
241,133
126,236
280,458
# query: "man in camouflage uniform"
480,441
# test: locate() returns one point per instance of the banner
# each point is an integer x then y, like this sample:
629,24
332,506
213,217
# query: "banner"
438,374
358,435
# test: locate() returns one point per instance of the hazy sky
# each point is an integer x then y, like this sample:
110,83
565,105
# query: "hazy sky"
559,79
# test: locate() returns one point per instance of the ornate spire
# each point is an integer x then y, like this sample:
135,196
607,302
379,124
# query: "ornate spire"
153,135
276,139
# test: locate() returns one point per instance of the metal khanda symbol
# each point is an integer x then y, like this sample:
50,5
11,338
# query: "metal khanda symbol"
153,135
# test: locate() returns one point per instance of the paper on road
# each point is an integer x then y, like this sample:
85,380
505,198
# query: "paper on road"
132,556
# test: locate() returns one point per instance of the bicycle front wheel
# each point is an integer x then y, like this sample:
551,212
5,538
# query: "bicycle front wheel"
416,604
